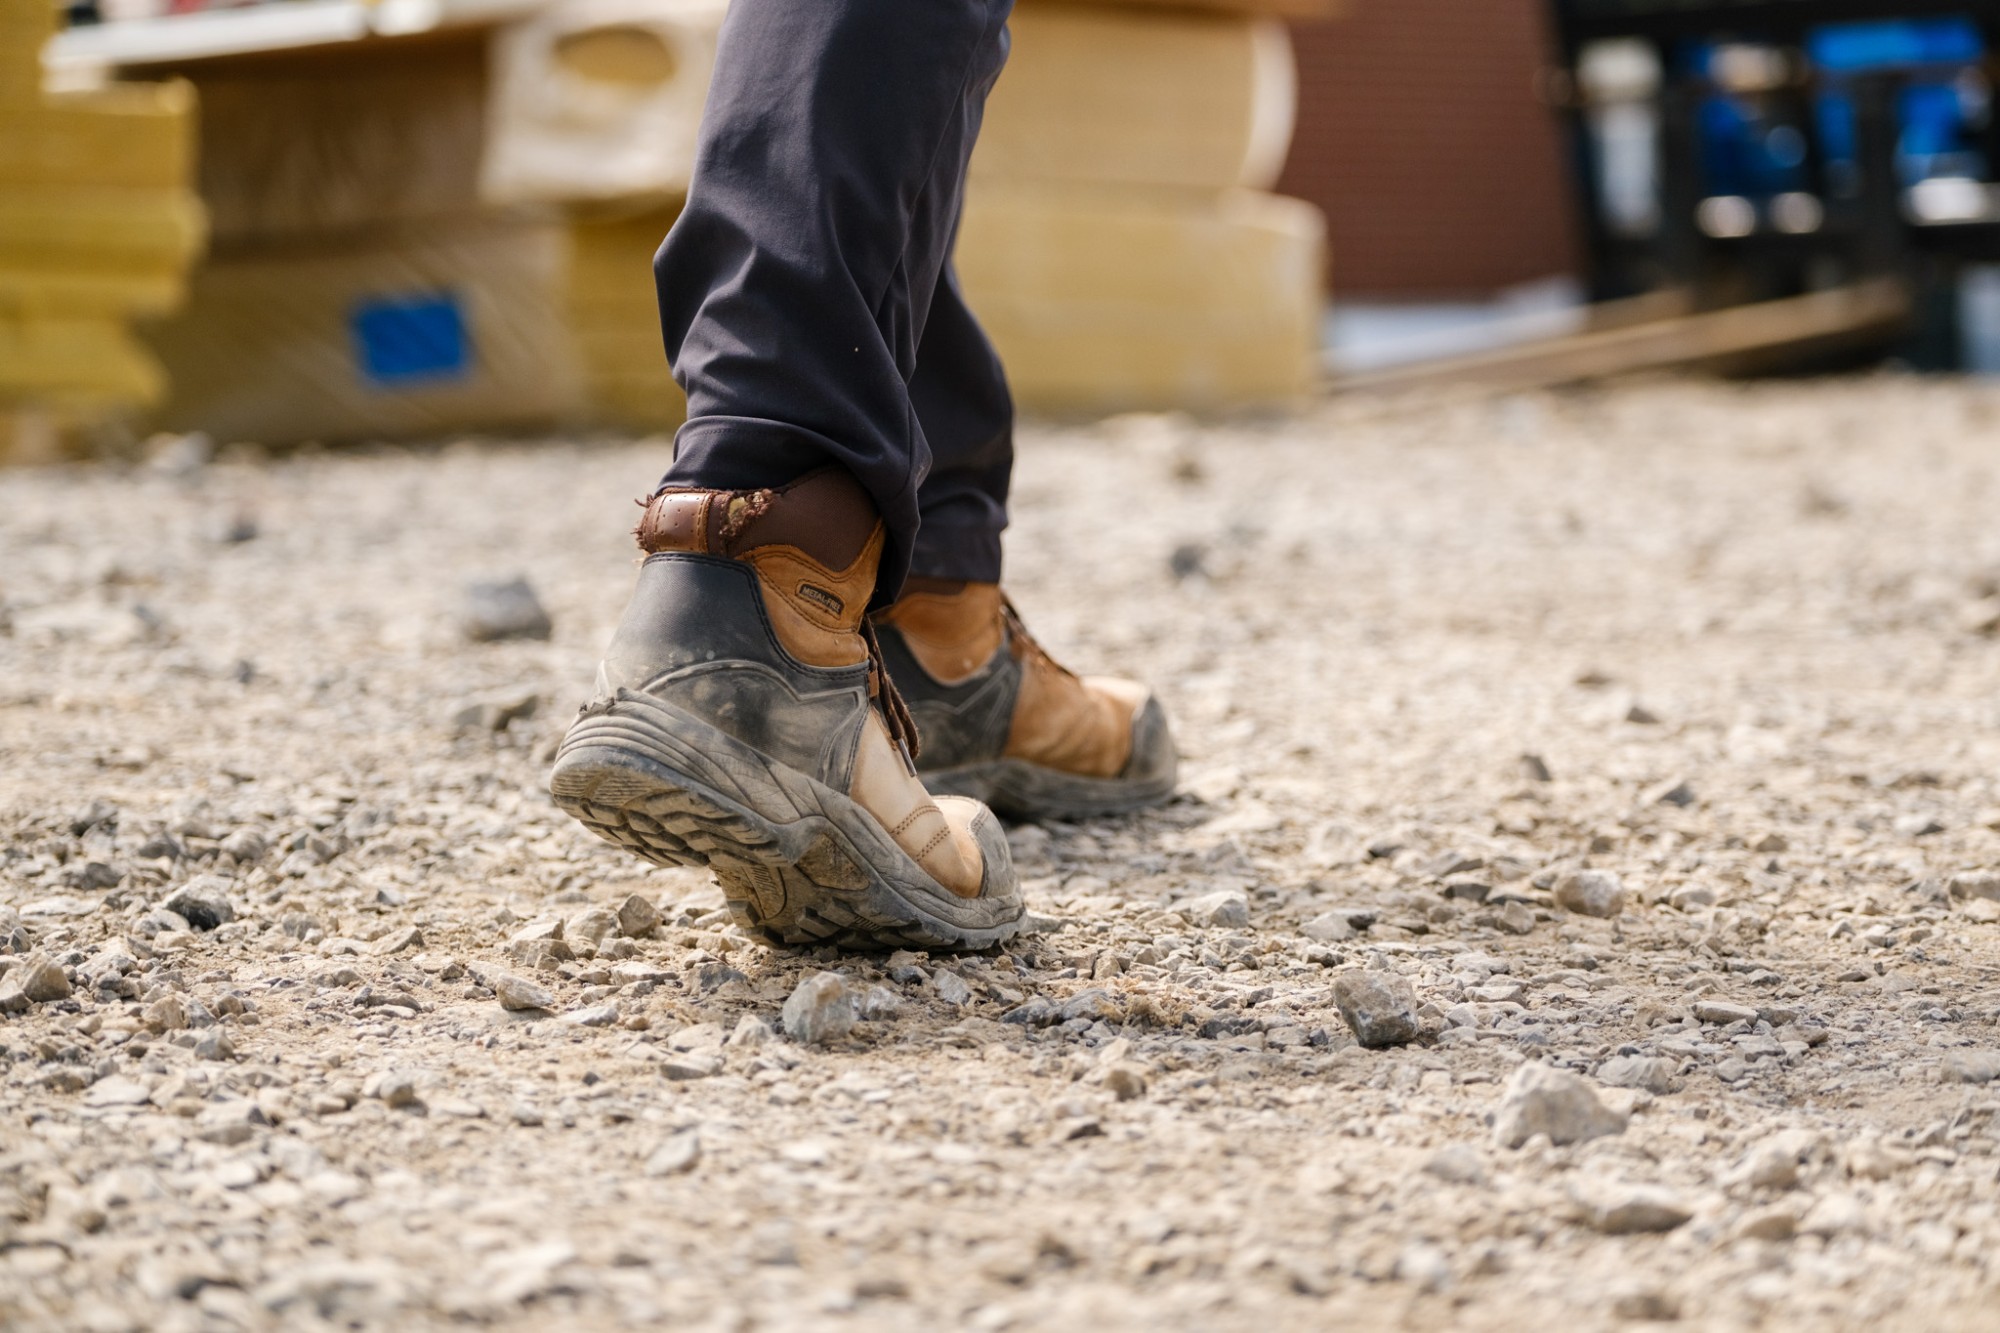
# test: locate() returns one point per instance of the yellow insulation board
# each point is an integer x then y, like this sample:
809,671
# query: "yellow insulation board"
70,362
97,224
105,288
1117,97
25,25
1110,300
125,136
1291,9
69,224
615,319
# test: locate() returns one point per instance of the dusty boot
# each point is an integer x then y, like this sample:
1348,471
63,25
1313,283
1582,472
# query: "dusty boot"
1002,721
743,722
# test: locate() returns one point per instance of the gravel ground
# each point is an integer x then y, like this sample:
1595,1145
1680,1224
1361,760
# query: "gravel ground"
1450,677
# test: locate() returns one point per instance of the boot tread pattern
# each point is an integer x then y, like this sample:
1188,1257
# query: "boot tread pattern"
629,781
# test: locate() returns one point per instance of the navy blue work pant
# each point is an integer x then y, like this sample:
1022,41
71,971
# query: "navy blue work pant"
806,292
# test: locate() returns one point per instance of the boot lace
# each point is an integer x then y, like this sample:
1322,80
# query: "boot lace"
1017,633
882,689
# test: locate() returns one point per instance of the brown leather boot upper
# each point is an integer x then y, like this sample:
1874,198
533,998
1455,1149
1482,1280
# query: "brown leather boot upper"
1074,724
815,546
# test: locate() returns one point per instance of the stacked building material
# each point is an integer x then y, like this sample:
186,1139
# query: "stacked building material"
362,282
453,229
1119,242
98,223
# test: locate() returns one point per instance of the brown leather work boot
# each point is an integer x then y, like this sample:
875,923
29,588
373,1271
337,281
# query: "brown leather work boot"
1002,721
744,721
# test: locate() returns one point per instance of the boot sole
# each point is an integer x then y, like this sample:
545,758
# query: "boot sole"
1021,790
798,862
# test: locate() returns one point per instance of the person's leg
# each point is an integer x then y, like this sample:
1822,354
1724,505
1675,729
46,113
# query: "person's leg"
744,719
962,403
796,285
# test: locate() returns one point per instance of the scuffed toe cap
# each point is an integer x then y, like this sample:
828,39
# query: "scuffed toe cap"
998,879
1154,760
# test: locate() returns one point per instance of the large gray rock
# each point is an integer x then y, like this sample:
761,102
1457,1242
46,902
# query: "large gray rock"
1093,1003
820,1010
245,846
1380,1006
1539,1099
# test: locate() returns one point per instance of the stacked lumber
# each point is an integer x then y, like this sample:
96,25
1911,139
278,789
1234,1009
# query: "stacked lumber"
1116,243
364,284
1119,243
1115,300
454,230
98,224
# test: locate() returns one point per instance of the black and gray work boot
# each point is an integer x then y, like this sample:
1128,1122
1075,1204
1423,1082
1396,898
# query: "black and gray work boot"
1004,722
743,721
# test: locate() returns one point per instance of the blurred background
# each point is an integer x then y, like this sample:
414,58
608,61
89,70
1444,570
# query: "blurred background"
328,220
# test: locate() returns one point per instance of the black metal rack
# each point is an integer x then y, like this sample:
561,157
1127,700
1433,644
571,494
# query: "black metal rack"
1849,219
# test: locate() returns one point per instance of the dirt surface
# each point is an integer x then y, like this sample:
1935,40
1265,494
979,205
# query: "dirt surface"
1746,633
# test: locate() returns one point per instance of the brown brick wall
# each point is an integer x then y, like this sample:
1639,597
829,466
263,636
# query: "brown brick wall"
1420,135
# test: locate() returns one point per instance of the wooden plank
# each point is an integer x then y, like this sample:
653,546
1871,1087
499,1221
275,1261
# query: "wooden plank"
1745,337
316,146
267,349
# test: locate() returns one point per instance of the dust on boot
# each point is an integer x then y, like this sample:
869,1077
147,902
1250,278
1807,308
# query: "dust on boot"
744,721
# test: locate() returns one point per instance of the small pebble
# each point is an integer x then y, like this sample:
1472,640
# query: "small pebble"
1597,893
520,994
678,1155
1540,1099
820,1010
494,610
1380,1006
